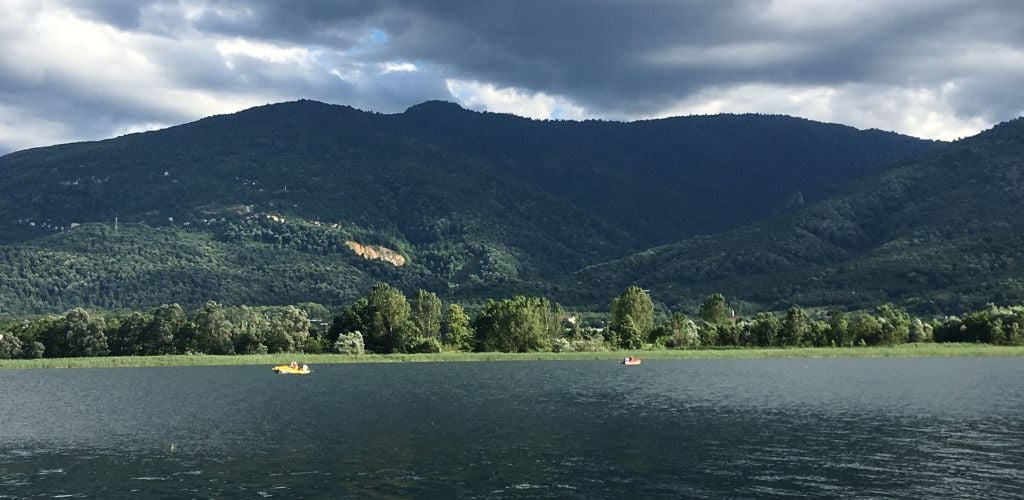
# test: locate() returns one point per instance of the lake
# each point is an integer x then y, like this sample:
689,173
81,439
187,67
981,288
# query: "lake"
907,428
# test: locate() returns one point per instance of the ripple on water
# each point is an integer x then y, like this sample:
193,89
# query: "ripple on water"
770,428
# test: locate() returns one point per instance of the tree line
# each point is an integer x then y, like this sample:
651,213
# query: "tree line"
386,321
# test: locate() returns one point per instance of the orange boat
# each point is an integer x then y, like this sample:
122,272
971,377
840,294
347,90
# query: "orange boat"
630,360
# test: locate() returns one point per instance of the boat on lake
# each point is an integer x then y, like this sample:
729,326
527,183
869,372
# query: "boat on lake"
292,369
630,360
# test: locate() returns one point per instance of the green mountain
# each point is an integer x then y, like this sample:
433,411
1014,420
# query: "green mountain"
941,234
266,205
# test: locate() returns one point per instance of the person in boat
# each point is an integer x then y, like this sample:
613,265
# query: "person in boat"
293,365
305,368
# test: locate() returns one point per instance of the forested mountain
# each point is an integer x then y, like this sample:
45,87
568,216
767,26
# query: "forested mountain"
941,234
267,205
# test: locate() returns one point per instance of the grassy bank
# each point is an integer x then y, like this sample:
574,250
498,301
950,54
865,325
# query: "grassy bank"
906,350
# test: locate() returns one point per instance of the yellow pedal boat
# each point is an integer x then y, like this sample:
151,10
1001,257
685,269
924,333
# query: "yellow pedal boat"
291,370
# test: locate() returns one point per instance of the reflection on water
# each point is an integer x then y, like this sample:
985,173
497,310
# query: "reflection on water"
909,428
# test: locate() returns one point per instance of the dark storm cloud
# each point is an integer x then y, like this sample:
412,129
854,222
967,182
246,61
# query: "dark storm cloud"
928,67
123,14
615,56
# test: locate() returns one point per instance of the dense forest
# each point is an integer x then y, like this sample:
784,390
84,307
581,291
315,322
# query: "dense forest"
386,321
939,235
263,207
305,202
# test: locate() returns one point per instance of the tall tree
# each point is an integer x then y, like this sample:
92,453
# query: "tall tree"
85,334
863,328
426,314
837,333
764,329
683,332
894,325
159,335
518,324
796,327
52,335
127,341
350,320
10,345
248,330
457,334
633,303
386,317
919,331
629,334
714,310
213,330
287,330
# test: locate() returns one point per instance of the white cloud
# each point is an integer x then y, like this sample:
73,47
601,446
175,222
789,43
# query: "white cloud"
741,55
488,97
263,51
88,69
397,67
132,128
815,15
20,130
921,112
86,80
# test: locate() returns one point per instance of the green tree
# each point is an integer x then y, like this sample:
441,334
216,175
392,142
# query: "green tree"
213,330
456,330
159,335
714,309
388,328
248,330
795,327
708,333
990,325
764,329
426,314
636,305
349,343
85,334
518,324
350,320
50,332
287,330
817,334
837,332
919,331
684,332
864,328
10,346
127,340
33,350
630,336
894,325
730,334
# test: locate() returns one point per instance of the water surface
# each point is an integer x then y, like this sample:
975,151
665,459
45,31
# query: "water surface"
908,428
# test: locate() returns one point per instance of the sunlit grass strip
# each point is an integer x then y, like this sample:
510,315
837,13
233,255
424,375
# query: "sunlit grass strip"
906,350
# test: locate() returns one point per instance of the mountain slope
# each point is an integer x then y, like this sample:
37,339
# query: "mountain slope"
475,202
941,234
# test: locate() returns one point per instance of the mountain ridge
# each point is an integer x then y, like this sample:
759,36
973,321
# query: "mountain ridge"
476,202
937,234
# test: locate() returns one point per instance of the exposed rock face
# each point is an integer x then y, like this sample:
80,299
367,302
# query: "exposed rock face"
375,252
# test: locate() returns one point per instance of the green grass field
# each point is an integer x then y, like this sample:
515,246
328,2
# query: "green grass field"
906,350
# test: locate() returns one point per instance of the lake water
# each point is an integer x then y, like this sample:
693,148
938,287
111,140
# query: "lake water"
907,428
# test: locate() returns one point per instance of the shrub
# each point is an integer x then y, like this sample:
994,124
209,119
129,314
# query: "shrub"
350,343
428,345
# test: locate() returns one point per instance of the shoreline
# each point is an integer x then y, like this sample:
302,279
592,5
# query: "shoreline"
900,351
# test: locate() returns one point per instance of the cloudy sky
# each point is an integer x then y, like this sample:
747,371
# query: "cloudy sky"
88,69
